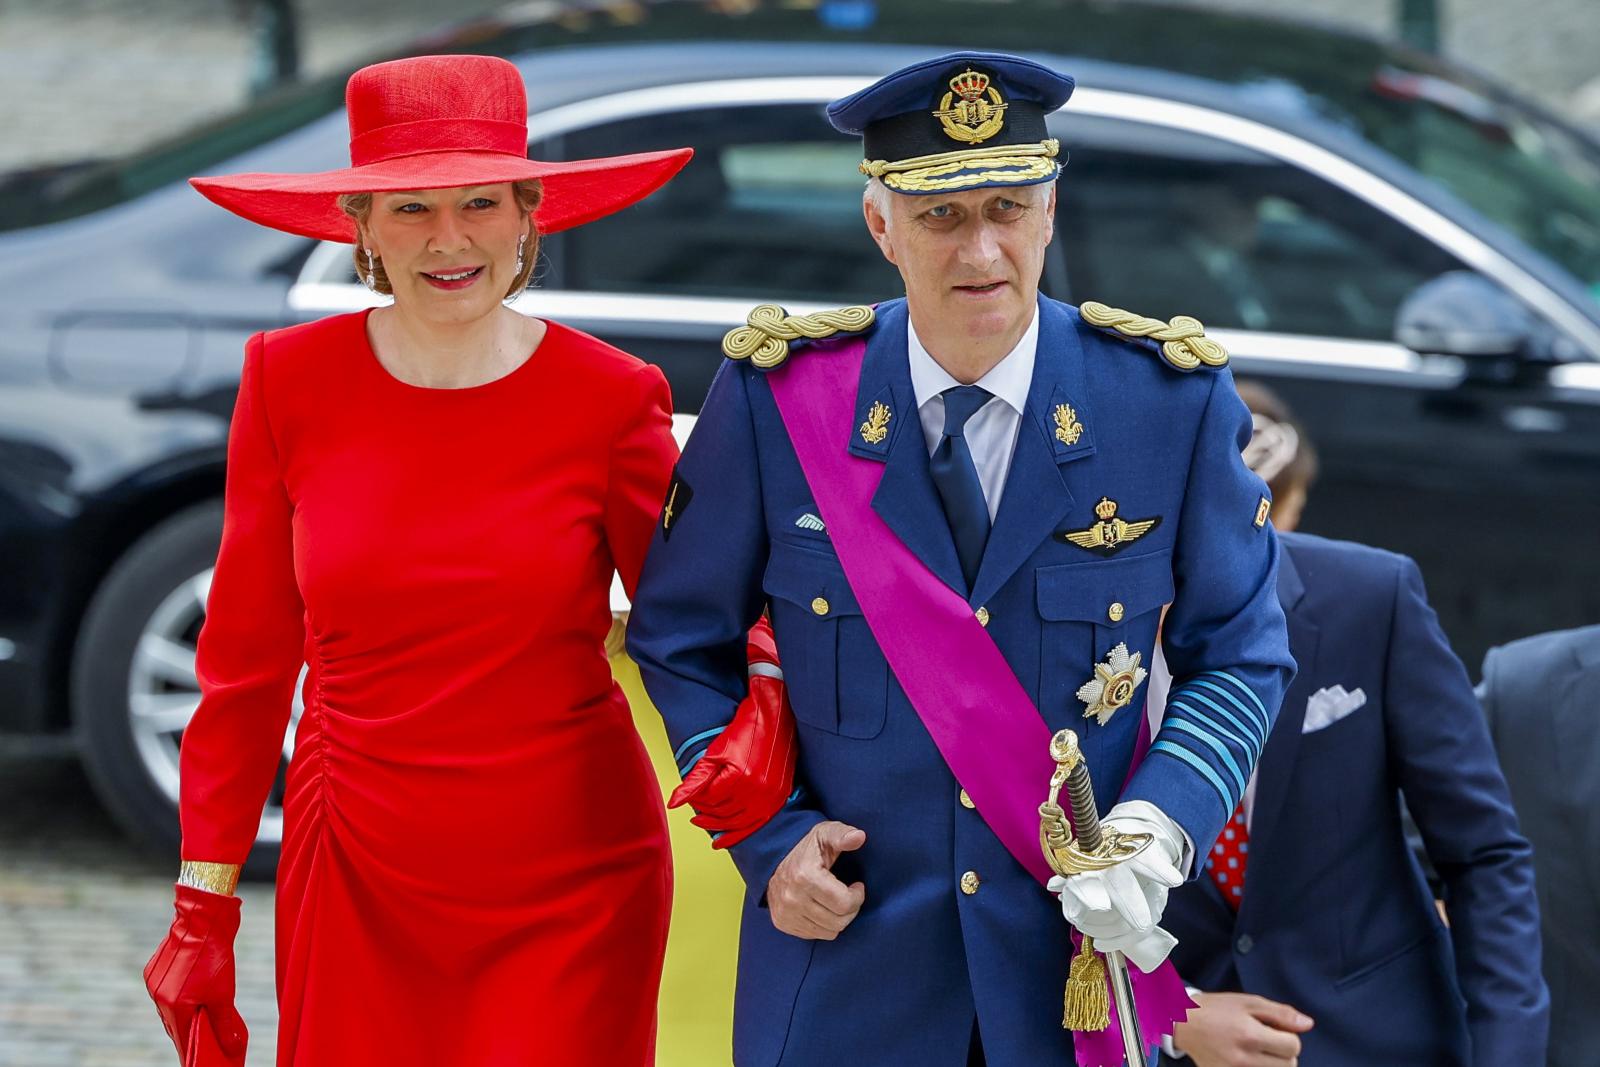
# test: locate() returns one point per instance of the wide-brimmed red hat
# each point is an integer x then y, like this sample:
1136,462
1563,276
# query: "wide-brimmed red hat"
437,122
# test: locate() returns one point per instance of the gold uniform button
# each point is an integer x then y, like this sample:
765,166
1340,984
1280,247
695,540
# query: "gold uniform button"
819,606
970,883
966,801
983,616
1115,611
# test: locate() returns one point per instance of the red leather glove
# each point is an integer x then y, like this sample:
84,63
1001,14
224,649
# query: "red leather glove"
748,771
191,980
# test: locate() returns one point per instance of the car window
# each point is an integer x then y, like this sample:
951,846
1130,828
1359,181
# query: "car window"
770,207
1168,222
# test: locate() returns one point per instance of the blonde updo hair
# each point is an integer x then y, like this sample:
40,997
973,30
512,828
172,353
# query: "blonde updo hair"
359,206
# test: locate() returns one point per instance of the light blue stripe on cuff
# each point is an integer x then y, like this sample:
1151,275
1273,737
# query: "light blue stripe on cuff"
1214,745
1245,714
1249,747
677,757
1200,765
1247,725
1251,693
683,772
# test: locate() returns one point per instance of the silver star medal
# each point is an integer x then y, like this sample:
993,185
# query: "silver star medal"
1113,684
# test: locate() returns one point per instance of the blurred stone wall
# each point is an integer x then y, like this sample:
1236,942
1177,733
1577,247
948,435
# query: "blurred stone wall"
83,78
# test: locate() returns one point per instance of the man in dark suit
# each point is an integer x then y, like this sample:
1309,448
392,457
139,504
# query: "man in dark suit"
1311,933
1542,697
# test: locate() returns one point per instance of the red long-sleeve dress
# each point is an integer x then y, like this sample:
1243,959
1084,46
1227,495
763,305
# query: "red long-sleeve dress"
475,865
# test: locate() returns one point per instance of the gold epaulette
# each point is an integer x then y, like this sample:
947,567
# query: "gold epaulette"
765,336
1184,344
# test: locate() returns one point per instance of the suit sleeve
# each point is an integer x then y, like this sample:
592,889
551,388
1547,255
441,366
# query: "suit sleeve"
1453,785
1224,638
251,646
698,596
641,465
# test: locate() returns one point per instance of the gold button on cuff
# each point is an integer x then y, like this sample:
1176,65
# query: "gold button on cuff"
966,801
1114,612
983,616
970,883
819,606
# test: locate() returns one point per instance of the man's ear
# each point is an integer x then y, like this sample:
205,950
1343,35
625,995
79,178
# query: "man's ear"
1050,211
877,226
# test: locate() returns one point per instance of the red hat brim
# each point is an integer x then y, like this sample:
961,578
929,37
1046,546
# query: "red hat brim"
574,193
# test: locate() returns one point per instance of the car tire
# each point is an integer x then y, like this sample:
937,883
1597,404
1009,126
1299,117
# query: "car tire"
154,593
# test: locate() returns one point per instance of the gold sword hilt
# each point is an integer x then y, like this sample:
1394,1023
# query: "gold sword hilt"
1092,847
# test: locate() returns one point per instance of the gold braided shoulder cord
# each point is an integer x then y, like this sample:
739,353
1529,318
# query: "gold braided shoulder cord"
1183,340
764,339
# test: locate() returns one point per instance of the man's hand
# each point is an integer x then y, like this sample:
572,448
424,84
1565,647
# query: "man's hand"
1241,1030
804,897
1120,906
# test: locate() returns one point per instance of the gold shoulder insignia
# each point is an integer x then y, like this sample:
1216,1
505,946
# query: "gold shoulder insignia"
764,338
1184,344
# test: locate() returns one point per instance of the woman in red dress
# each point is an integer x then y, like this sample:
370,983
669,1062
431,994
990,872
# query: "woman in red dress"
425,504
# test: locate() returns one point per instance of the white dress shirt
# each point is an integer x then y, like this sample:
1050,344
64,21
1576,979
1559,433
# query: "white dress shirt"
991,433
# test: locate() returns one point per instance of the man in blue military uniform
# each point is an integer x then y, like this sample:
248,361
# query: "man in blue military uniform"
1059,474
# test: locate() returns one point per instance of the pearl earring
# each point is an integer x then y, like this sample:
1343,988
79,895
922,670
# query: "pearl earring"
372,280
521,241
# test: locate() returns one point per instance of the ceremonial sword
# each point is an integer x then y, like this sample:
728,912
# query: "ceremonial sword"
1092,849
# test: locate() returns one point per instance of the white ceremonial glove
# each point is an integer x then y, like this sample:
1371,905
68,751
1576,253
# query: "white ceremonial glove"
1120,906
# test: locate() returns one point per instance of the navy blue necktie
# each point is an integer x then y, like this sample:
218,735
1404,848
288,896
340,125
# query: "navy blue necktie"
956,478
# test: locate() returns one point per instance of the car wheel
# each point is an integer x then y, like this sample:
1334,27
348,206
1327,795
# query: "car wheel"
134,687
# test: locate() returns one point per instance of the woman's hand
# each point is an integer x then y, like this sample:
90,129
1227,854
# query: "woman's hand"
191,980
747,773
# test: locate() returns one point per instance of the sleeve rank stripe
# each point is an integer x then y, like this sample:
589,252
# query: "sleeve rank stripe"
1251,693
1214,745
1245,724
677,757
1245,716
1247,747
1166,747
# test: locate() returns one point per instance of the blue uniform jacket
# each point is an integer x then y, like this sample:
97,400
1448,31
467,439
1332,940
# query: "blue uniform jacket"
904,983
1336,918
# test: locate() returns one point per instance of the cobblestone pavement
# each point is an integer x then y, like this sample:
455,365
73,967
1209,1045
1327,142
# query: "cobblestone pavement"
81,909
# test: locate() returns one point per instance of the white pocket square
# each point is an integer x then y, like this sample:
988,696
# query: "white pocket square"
1328,706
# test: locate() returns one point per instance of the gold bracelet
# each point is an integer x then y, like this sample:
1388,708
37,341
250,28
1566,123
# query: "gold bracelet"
219,878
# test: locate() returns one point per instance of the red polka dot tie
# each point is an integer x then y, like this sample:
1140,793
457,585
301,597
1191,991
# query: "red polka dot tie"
1228,858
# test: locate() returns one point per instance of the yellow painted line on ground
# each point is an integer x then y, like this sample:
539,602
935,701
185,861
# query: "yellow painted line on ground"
697,988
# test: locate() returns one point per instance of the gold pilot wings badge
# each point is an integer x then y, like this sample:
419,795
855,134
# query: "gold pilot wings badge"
1111,534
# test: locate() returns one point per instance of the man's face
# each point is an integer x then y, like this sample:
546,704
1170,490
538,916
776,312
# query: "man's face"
970,260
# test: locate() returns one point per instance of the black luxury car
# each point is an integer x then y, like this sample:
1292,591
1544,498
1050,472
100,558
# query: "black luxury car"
1409,255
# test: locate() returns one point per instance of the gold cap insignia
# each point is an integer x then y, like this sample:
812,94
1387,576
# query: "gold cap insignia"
1111,534
1113,684
1184,344
977,115
1068,428
768,329
876,428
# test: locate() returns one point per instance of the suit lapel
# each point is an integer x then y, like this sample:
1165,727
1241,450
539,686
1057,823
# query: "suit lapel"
906,499
1276,766
1036,498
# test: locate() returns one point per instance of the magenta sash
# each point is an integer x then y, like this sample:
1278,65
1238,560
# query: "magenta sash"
981,719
